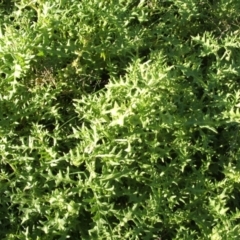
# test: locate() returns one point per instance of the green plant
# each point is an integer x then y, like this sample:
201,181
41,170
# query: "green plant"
119,119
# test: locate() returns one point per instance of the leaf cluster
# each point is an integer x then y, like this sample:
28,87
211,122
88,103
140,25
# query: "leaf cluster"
119,119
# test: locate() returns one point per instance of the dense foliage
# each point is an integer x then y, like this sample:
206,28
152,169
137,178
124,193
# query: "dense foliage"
119,119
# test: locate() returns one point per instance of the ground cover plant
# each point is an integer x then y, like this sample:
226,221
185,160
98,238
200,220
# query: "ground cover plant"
119,119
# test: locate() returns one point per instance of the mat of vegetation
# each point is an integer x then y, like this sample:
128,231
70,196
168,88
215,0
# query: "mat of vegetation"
119,119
